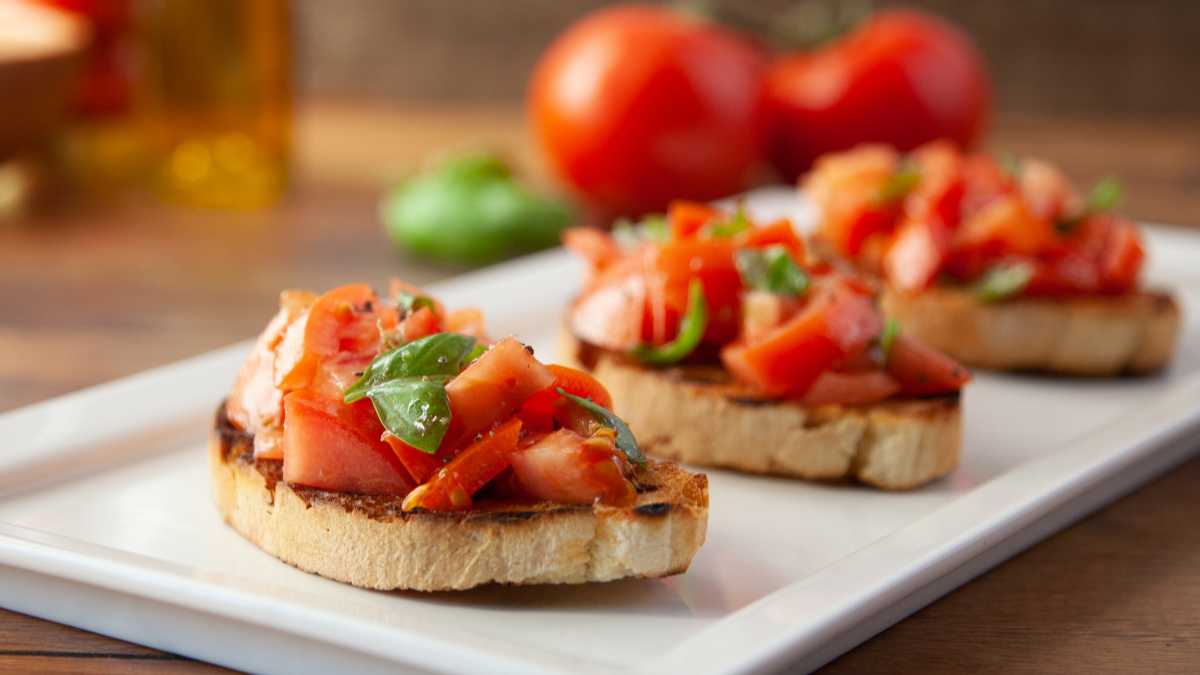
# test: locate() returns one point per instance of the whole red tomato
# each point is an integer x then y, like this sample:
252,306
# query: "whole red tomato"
636,106
902,78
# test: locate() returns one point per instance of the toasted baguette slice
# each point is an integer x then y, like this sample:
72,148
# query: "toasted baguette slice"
1103,335
369,542
696,414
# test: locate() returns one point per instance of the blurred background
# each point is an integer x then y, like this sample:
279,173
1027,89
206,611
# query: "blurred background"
166,166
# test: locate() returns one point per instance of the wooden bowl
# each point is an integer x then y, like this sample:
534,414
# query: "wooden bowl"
41,51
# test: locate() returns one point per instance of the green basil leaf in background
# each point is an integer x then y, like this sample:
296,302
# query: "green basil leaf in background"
409,303
438,354
731,226
652,228
1104,195
472,211
414,409
771,269
625,440
691,329
898,186
1003,281
891,330
1011,164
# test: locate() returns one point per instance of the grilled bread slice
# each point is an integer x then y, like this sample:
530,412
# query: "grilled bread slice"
698,415
368,541
1101,335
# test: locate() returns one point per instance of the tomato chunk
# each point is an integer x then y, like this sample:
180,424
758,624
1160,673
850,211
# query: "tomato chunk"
420,465
421,323
921,370
341,326
452,487
492,389
781,232
838,324
566,468
851,388
688,218
596,247
917,254
333,446
1121,262
467,321
539,410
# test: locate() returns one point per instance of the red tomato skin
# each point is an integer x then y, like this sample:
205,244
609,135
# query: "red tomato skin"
636,106
492,389
917,254
420,465
674,265
902,78
833,388
333,446
687,218
923,371
421,323
453,486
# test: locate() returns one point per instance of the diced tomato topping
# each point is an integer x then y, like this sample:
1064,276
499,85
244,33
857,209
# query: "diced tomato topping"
1121,263
837,325
688,218
492,389
1009,225
453,486
342,327
781,232
596,247
421,323
467,321
917,254
420,465
673,266
921,370
851,388
333,446
539,411
567,468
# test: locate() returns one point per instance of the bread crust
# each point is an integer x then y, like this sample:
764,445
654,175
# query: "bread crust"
1089,336
695,414
369,542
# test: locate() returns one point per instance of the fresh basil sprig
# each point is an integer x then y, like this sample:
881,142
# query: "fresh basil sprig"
625,440
1103,196
407,387
1004,281
691,329
771,269
891,330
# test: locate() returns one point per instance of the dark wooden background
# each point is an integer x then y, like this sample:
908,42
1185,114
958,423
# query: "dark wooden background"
1111,57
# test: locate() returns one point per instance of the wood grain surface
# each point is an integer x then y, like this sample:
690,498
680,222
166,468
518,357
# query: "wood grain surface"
94,292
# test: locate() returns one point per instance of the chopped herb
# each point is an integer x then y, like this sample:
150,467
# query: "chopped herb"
691,329
1011,164
771,269
1004,281
476,353
650,228
1104,195
625,440
408,303
407,387
898,186
891,330
731,226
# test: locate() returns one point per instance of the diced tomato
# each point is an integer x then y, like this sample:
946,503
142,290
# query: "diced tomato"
421,323
921,370
333,446
420,465
341,326
763,312
1121,262
712,262
1007,222
781,232
851,388
539,410
566,468
1047,191
492,389
452,487
688,218
838,324
467,321
917,254
612,311
596,247
871,220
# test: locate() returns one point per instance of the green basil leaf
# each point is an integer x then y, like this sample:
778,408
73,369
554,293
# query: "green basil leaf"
1003,281
476,353
409,302
1104,195
771,269
731,226
625,440
691,329
650,228
1011,164
414,409
891,330
437,354
898,186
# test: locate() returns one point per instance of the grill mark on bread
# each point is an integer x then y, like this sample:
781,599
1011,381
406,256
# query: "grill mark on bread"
655,510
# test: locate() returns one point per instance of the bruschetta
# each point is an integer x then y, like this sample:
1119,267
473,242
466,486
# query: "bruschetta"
1002,266
388,443
724,344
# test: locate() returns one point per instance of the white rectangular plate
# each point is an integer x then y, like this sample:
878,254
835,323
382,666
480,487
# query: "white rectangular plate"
106,523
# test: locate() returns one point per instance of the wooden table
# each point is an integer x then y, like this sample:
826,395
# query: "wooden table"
89,295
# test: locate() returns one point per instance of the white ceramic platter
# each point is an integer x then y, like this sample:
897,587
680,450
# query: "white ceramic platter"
106,523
